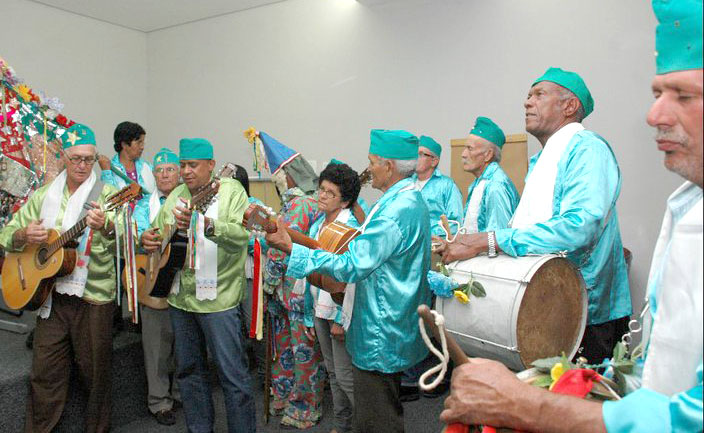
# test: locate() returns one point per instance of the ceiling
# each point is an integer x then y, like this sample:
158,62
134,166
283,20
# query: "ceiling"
151,15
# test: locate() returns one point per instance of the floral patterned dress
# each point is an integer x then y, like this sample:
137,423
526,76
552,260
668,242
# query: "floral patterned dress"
298,373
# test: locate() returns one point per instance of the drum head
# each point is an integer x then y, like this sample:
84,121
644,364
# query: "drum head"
549,325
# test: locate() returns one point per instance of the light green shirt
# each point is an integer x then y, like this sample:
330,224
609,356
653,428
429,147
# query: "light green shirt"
100,287
231,238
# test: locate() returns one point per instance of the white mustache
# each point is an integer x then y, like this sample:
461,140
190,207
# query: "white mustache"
670,135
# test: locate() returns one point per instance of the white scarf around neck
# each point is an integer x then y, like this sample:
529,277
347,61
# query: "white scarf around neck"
323,300
536,203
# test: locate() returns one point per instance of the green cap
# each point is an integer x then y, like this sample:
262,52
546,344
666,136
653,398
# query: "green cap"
488,130
165,156
572,82
335,161
393,144
77,135
431,144
195,148
678,37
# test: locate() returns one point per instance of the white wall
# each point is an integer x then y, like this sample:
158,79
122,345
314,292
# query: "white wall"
97,70
318,74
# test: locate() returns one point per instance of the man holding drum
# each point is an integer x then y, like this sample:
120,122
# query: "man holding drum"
389,261
568,204
670,398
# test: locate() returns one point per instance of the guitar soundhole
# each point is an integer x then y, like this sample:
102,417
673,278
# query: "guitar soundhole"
42,255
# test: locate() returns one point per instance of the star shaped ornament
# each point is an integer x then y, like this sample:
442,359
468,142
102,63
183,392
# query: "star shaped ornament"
72,137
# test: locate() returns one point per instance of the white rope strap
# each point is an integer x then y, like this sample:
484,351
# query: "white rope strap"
449,236
443,356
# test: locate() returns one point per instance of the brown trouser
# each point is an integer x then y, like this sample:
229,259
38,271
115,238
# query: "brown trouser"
377,404
75,330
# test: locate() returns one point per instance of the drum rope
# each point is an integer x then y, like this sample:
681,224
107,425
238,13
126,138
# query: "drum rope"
460,230
443,356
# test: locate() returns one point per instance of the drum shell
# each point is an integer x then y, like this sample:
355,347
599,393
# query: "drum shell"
509,326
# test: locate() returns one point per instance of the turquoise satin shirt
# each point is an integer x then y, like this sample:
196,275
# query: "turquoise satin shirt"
584,224
499,200
645,410
309,302
443,198
389,262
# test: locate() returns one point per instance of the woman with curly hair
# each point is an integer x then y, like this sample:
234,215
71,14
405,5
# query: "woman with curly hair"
338,192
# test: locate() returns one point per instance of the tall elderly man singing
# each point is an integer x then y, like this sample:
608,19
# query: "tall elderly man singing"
670,399
389,262
568,204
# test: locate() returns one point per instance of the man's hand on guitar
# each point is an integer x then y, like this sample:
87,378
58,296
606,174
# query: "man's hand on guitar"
183,215
280,239
35,233
95,218
151,241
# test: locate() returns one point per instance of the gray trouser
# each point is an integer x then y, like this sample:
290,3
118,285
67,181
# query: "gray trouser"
339,366
158,345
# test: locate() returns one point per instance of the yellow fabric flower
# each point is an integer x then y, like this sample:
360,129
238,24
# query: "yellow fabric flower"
250,134
556,372
462,296
23,91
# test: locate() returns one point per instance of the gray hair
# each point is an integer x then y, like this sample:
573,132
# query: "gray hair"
496,151
405,167
566,94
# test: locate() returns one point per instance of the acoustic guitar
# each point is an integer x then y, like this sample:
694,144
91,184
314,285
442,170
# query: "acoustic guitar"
156,270
334,237
30,275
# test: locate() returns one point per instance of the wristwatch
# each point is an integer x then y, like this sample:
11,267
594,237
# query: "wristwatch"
491,237
209,227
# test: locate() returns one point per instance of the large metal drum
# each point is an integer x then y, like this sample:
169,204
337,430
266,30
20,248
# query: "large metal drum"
535,307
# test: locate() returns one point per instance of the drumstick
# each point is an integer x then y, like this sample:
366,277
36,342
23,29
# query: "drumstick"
456,353
445,223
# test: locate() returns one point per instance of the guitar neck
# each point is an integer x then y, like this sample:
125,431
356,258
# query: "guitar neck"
301,239
67,236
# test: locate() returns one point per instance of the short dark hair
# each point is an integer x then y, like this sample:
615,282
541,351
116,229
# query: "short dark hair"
345,178
242,176
126,132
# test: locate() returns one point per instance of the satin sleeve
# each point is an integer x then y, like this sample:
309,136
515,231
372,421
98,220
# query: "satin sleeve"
453,205
366,252
589,186
646,411
500,203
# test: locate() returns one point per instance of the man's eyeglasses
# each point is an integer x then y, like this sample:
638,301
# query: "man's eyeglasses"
426,155
164,170
326,193
77,160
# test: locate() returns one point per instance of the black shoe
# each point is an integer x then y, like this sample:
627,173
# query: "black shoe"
409,393
437,391
165,417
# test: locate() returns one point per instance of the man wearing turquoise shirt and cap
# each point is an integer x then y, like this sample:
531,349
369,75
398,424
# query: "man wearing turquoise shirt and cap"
439,191
75,321
157,333
568,204
389,262
492,197
207,291
670,398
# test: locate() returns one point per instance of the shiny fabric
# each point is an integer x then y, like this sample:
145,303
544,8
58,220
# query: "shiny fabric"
389,263
148,185
231,238
679,408
100,286
499,200
584,224
442,196
310,304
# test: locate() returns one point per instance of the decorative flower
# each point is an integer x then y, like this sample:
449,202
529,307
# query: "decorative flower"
250,134
556,372
303,354
286,359
462,296
282,386
24,92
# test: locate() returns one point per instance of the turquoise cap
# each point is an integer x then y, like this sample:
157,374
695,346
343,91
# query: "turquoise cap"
194,148
488,130
431,144
678,36
77,135
393,144
165,156
572,82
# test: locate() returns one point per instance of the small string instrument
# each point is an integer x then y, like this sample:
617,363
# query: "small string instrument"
29,276
156,270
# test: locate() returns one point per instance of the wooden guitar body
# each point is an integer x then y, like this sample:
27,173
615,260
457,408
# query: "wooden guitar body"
28,276
143,294
334,237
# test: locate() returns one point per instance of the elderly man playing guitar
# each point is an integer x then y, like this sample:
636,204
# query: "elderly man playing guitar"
206,292
75,320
